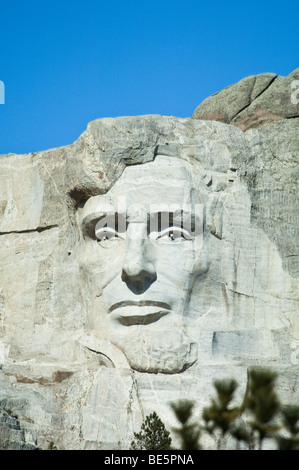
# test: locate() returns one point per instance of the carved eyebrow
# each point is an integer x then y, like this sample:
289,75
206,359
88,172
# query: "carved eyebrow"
155,221
111,219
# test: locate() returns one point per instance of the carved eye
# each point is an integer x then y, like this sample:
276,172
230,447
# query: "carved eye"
173,234
106,233
109,228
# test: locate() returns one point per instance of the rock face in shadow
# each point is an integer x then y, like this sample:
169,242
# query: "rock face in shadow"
12,436
253,101
93,336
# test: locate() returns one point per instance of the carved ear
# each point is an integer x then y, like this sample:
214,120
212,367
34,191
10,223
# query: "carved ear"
214,214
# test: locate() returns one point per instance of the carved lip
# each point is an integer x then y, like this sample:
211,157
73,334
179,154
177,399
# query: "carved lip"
140,303
141,313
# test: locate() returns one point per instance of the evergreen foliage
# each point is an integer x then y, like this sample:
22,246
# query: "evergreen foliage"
220,417
290,418
263,404
260,417
153,435
188,432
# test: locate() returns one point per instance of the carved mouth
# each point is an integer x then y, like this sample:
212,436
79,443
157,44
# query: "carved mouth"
139,313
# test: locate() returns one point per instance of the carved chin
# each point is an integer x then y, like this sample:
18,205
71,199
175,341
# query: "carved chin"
165,352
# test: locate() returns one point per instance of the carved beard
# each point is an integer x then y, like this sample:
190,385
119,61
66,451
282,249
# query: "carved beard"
167,352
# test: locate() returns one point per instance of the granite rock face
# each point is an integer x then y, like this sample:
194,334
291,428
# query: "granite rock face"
253,101
12,436
108,311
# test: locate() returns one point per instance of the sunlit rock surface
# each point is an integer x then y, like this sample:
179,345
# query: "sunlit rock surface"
99,329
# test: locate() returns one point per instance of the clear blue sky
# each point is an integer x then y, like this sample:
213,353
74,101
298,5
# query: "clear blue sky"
65,63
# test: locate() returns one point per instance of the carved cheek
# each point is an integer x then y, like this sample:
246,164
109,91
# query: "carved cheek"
175,262
102,263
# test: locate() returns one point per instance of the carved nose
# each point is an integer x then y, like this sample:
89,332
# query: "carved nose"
135,271
138,271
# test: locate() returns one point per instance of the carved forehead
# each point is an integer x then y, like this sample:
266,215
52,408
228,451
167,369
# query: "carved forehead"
164,170
166,180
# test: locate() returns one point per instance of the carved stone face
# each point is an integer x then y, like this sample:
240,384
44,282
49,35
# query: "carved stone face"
141,254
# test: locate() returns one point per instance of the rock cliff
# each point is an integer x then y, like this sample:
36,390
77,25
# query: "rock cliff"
76,374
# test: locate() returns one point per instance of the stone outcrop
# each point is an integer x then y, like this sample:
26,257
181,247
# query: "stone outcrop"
253,101
12,436
92,334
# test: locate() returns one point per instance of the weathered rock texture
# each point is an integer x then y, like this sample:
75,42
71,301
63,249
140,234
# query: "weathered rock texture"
12,436
253,101
61,374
